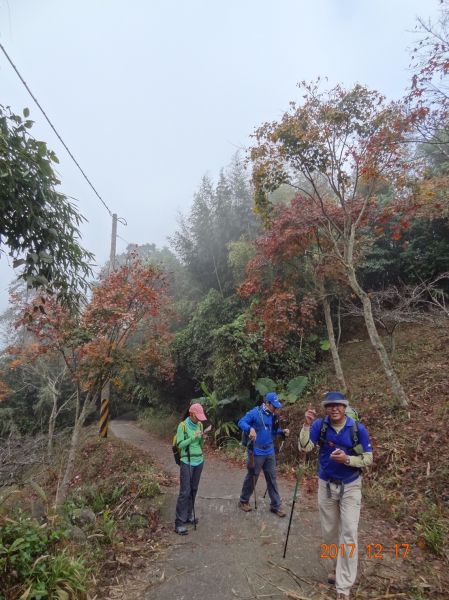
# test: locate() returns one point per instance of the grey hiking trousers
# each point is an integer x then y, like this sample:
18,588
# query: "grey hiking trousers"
267,464
189,479
339,516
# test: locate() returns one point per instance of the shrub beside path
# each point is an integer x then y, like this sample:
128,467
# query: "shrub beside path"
231,554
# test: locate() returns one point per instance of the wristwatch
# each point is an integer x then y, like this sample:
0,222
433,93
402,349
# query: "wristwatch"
348,461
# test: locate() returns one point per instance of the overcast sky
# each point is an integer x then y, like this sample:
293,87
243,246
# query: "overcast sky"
150,95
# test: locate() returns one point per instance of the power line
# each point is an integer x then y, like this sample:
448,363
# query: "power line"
123,240
54,129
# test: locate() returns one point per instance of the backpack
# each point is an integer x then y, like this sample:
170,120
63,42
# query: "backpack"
351,412
356,446
175,448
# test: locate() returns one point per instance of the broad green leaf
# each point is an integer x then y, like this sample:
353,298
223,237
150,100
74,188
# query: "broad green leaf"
42,151
226,401
297,385
16,544
291,398
325,345
265,385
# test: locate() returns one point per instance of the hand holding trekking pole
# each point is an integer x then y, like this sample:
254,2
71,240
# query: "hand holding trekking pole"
299,473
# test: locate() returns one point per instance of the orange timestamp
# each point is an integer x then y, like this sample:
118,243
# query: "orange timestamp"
375,551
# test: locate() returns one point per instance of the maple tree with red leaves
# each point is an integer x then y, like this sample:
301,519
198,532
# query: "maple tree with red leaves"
341,150
124,326
292,274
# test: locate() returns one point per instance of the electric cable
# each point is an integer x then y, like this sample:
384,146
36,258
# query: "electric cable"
54,129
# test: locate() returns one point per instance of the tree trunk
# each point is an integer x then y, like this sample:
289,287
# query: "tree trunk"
216,274
51,425
392,345
61,494
333,345
393,379
339,323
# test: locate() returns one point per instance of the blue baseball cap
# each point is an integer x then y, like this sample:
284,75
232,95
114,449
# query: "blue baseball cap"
335,398
272,398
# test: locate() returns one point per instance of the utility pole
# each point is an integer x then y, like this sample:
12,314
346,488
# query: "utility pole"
113,243
106,391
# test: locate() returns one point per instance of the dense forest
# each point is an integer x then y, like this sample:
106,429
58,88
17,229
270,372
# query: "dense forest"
333,227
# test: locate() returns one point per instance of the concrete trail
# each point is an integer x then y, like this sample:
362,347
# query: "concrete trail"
231,554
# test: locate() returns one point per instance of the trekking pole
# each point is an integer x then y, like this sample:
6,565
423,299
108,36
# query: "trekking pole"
191,490
298,478
193,499
253,465
279,451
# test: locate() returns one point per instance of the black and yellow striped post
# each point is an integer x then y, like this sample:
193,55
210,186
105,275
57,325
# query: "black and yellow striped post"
106,391
104,416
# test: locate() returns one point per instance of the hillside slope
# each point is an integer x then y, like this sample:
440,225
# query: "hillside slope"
409,482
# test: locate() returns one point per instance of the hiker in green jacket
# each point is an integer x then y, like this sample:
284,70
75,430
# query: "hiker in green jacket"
189,438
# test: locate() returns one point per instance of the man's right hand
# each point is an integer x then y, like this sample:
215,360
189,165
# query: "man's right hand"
309,416
252,434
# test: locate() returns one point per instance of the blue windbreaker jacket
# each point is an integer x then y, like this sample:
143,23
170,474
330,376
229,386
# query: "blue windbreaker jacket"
261,420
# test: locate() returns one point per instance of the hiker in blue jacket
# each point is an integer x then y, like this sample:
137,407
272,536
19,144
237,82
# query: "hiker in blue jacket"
344,450
261,426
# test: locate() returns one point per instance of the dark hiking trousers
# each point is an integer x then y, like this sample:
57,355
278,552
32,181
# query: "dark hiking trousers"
189,479
267,464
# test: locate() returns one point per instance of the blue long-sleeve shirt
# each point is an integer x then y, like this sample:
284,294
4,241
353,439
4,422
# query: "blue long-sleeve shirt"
341,439
261,420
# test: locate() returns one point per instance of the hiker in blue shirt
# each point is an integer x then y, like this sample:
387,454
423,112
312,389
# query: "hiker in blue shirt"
261,426
344,449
